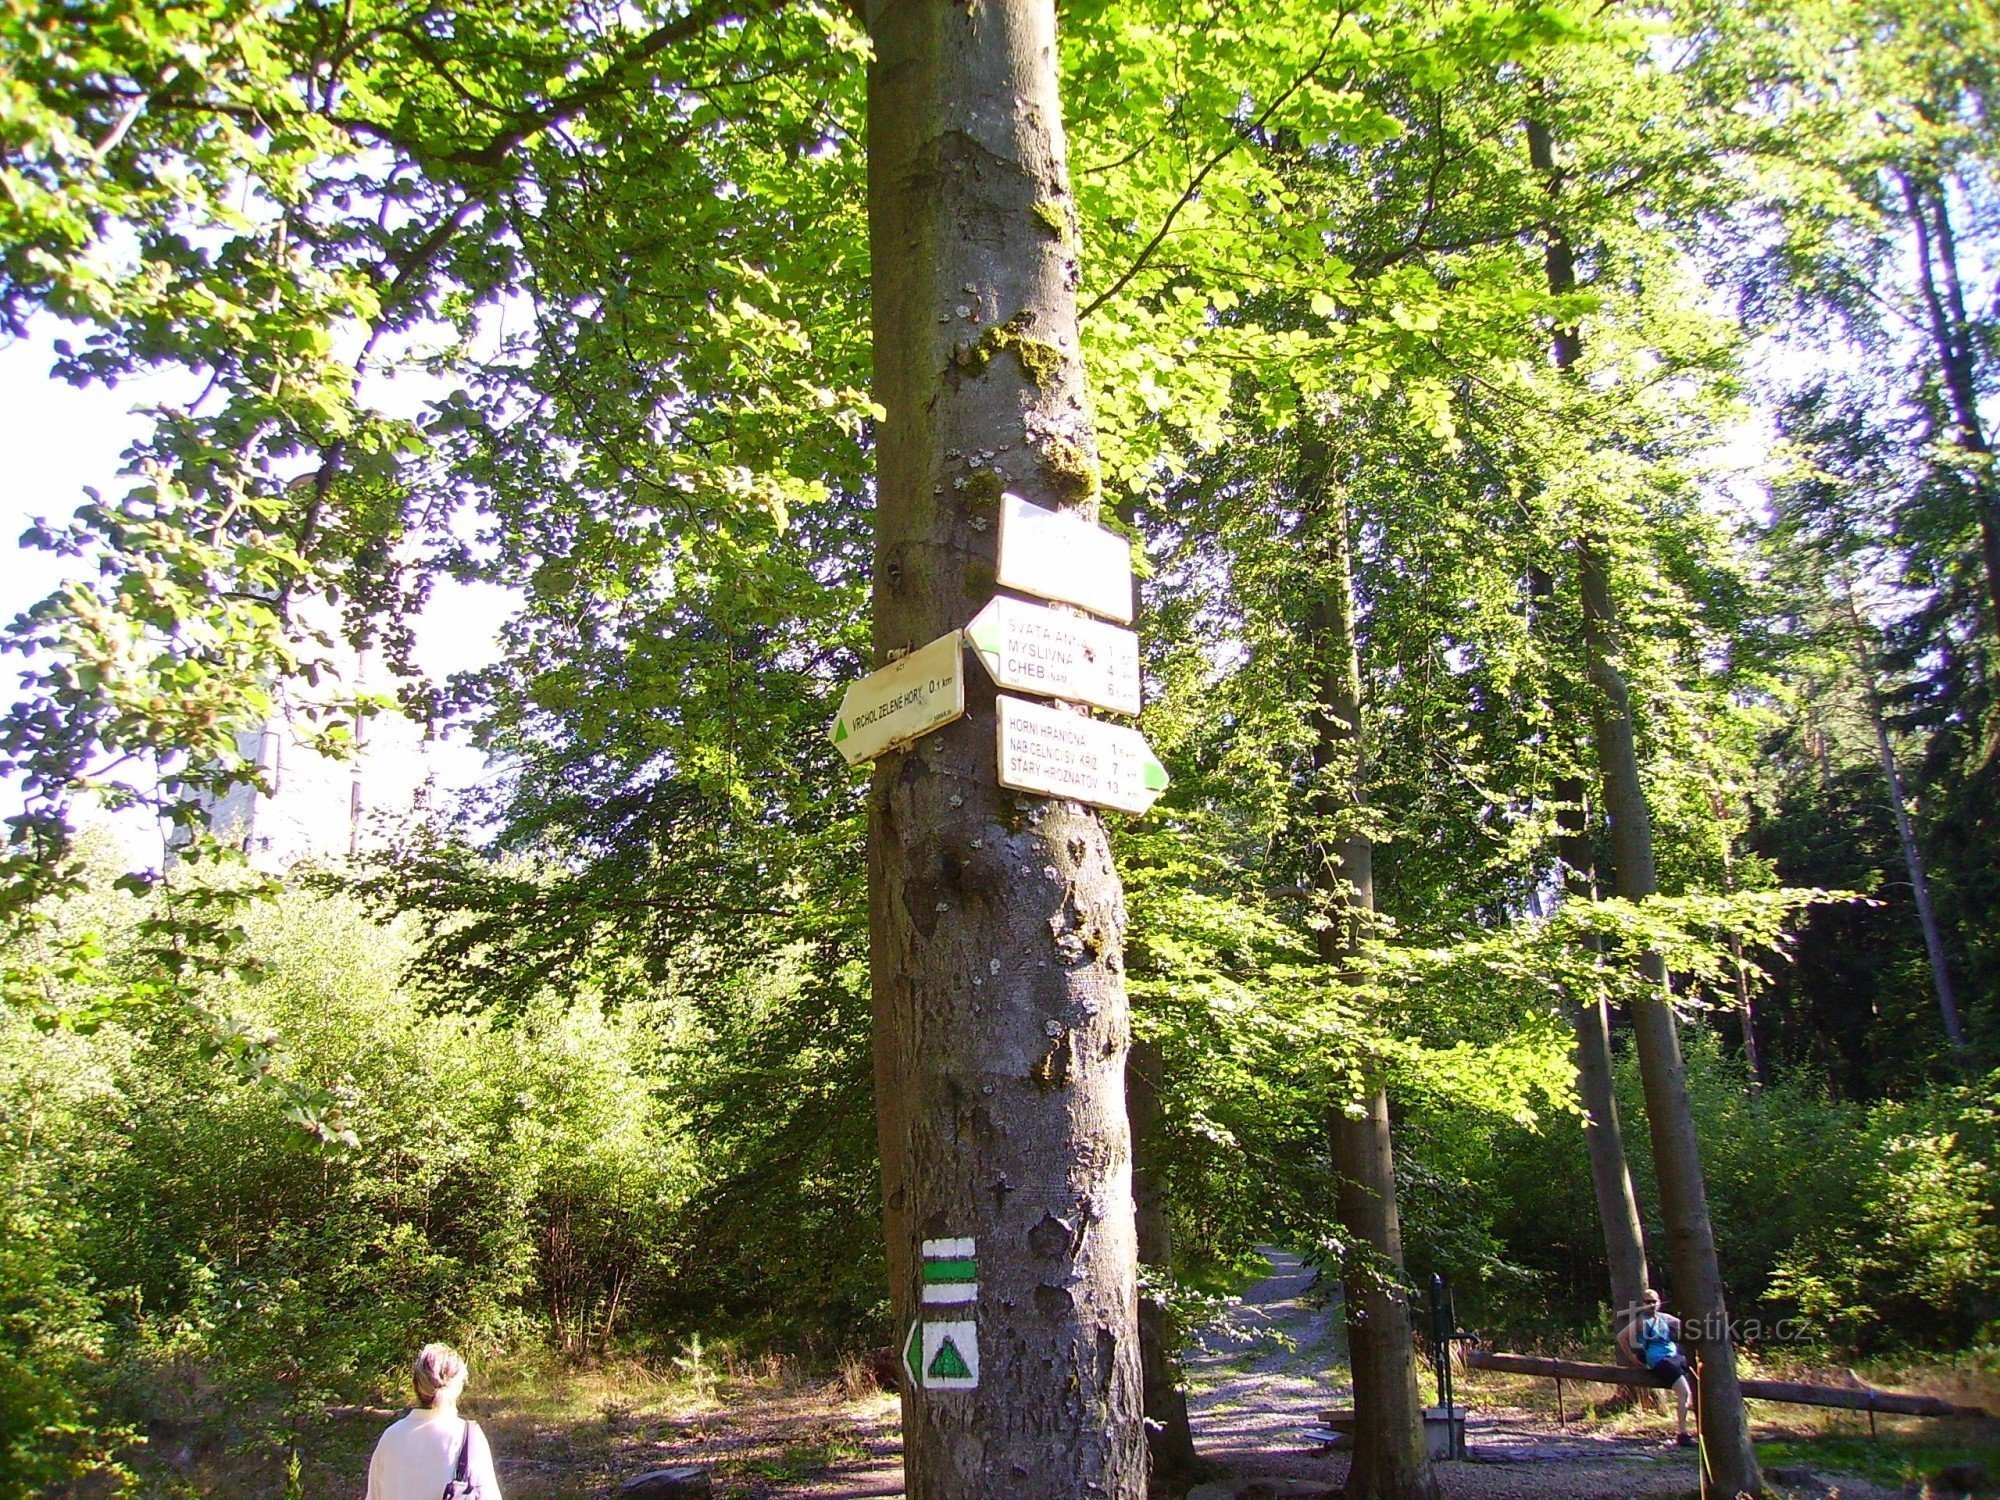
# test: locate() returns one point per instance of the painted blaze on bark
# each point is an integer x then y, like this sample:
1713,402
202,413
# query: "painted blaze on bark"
996,919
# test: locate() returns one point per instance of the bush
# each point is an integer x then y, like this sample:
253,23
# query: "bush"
51,1327
1915,1258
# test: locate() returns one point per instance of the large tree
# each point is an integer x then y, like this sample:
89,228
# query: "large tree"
996,920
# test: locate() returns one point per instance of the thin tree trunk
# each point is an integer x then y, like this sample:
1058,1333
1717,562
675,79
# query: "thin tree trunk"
1604,1136
1952,343
1391,1457
996,920
1610,1176
1906,834
1729,1460
1168,1435
1746,1000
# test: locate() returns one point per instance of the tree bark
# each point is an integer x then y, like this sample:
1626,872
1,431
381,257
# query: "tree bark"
1906,834
1169,1439
1391,1459
996,920
1603,1134
1610,1176
1728,1458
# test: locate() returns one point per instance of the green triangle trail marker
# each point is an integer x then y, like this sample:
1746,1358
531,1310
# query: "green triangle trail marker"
949,1364
949,1355
839,731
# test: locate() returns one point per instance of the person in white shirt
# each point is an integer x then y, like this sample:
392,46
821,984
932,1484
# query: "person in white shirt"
418,1456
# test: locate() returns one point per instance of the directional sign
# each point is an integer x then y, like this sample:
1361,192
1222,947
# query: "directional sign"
1062,556
1066,755
1034,649
904,701
943,1356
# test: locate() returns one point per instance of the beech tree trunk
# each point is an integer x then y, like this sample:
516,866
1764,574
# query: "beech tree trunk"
1168,1437
1906,834
996,919
1610,1176
1603,1134
1728,1458
1391,1459
1729,1462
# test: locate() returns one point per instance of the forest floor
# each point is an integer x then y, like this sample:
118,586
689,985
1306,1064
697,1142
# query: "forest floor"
1256,1387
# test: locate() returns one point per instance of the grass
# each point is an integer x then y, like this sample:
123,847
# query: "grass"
1896,1459
560,1432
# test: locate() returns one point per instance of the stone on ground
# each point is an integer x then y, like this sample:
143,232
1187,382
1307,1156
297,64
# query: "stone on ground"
1262,1489
688,1482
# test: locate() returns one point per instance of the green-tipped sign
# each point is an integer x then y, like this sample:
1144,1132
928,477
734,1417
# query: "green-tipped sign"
1062,754
904,701
1031,648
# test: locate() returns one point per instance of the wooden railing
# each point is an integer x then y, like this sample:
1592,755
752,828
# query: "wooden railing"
1798,1393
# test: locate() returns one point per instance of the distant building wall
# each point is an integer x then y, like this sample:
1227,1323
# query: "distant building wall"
317,807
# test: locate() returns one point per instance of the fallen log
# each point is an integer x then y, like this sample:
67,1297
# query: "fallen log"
1795,1392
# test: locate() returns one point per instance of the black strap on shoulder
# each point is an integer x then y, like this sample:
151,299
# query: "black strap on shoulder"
462,1474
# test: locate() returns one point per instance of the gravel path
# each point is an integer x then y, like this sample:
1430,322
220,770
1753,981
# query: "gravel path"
1254,1391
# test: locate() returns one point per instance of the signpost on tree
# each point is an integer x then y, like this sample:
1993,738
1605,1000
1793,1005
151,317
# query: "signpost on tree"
996,919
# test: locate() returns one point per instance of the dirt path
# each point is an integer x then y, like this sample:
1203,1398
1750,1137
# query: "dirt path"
1256,1386
1256,1389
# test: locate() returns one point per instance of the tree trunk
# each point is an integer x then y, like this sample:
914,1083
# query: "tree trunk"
996,919
1729,1461
1906,835
1391,1459
1610,1176
1953,341
1604,1136
1168,1436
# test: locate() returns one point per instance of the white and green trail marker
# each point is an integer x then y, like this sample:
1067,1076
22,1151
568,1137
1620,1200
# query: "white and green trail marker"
1057,555
943,1356
904,701
1034,649
1067,755
951,1272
